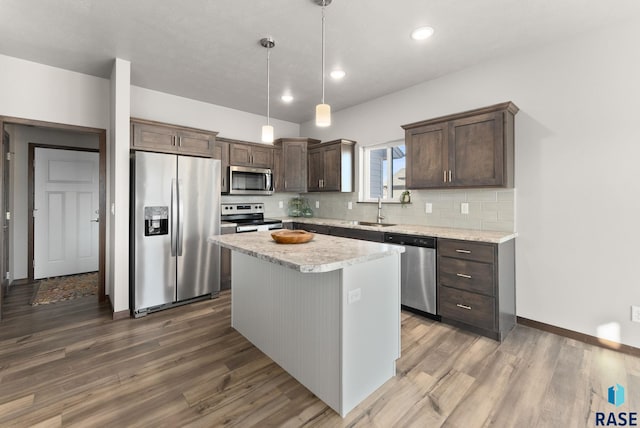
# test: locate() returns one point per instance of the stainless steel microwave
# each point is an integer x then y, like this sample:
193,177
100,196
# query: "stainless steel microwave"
246,180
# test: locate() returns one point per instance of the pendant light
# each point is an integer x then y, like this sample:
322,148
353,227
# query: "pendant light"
267,130
323,111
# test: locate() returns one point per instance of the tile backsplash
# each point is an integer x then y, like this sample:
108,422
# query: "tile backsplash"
489,209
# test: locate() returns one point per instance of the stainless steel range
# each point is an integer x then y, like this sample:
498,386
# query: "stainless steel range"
249,217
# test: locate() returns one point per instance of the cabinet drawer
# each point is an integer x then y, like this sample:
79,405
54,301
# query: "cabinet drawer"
466,275
470,308
466,250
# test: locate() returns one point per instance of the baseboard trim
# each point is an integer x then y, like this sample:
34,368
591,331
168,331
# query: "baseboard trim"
120,315
581,337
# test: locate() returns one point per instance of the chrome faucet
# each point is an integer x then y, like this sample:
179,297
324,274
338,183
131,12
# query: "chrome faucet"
380,216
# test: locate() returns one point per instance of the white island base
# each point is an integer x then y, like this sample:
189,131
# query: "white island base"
336,332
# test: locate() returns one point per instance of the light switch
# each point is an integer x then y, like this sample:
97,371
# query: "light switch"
464,208
428,207
349,205
317,204
280,204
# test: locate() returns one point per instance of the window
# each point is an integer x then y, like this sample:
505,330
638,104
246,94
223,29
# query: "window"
384,172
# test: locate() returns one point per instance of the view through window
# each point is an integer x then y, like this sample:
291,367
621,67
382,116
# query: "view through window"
384,171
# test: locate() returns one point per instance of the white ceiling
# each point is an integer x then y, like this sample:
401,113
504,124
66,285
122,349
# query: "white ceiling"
208,49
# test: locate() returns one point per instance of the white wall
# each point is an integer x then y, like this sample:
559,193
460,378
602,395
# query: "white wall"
229,123
34,91
117,263
21,136
577,180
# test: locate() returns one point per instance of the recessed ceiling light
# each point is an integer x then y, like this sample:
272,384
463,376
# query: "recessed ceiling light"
337,74
422,33
287,98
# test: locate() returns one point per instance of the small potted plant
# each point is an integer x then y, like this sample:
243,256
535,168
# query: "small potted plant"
405,197
295,207
298,207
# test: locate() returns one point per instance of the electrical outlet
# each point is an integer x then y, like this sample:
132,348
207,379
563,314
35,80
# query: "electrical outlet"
354,295
464,208
349,205
317,204
635,313
280,204
428,207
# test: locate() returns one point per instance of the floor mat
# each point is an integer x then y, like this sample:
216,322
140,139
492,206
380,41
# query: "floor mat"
61,288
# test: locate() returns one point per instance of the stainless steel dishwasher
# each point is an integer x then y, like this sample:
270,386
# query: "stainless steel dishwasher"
418,272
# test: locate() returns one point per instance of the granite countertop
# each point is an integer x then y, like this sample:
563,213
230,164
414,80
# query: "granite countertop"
322,254
489,236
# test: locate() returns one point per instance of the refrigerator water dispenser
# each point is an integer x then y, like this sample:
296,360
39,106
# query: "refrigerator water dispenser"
156,221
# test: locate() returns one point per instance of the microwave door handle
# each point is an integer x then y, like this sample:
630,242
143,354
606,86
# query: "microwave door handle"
267,178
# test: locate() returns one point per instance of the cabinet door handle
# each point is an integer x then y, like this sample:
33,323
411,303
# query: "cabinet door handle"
449,176
461,275
444,176
175,139
463,251
463,306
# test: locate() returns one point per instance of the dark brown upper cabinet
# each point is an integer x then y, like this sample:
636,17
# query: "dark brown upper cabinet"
331,166
250,154
290,164
470,149
221,151
165,138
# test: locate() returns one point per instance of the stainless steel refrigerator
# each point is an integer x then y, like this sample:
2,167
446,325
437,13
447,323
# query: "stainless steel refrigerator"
175,204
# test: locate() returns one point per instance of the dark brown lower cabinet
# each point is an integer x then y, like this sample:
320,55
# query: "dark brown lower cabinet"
365,235
343,232
476,286
225,261
313,228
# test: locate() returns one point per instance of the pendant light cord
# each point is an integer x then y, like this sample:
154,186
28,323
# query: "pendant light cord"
268,81
323,7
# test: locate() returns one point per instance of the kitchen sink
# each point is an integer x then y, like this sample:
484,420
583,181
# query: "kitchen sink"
371,223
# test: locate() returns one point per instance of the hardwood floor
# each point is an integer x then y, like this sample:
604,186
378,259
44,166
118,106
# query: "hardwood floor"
69,364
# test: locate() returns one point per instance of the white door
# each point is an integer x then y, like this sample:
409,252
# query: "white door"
65,212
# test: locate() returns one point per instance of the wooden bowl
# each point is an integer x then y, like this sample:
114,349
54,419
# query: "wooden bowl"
292,236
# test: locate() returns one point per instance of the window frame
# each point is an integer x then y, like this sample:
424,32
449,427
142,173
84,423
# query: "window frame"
365,168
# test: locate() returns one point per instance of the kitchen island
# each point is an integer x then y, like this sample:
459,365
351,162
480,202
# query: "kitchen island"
327,311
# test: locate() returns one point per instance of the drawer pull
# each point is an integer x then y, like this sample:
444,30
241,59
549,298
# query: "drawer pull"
464,306
461,275
463,251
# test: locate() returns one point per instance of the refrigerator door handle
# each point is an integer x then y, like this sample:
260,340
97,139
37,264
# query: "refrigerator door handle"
180,217
174,216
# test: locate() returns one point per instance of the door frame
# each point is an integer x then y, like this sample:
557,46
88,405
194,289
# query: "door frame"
31,199
4,238
102,191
